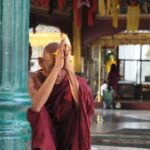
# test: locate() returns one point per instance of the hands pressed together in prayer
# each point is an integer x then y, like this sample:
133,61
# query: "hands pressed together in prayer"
63,57
55,64
63,61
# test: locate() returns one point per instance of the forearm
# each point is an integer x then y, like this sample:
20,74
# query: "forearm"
42,94
74,85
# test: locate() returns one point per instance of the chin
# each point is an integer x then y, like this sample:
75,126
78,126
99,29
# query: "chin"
58,81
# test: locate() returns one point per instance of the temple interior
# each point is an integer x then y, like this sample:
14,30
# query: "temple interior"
102,33
112,35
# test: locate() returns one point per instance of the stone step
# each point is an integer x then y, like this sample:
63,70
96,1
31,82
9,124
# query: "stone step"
102,147
123,138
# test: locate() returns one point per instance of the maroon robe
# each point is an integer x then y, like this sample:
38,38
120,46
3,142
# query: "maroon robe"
61,124
113,78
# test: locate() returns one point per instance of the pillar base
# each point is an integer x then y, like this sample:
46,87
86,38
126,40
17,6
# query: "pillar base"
15,132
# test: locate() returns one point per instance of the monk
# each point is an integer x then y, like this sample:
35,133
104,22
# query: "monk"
62,104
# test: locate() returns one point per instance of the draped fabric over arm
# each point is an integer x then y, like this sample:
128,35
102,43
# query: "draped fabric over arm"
86,109
61,124
42,130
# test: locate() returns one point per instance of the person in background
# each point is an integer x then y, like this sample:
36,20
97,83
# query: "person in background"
113,78
103,87
62,103
108,97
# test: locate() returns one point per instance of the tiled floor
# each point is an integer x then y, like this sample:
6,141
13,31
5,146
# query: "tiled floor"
94,147
111,121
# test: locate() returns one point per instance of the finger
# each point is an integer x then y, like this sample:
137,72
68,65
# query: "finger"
60,49
66,53
62,42
62,46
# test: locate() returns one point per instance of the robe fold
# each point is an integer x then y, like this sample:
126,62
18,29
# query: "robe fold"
61,124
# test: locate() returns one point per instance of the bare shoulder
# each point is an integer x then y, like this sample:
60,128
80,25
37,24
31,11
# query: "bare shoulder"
33,76
32,83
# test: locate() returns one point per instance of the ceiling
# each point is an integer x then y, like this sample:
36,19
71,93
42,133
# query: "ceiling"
53,16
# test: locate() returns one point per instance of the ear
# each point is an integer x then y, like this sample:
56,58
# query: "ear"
41,62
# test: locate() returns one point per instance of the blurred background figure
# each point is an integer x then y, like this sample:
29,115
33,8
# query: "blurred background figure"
108,97
113,78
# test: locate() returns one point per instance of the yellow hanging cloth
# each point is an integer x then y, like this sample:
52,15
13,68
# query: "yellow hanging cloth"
101,7
111,60
133,17
77,59
115,12
108,7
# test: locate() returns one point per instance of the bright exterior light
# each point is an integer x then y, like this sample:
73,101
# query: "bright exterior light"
42,39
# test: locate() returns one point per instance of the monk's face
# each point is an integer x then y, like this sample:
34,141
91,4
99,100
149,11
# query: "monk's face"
48,65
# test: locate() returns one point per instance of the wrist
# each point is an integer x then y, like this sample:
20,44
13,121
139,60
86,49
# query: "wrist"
56,68
69,70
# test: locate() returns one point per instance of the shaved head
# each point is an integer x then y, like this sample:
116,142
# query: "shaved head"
50,48
47,63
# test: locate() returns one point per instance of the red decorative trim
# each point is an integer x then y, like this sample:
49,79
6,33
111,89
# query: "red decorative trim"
38,3
90,18
94,6
61,4
43,3
75,6
78,18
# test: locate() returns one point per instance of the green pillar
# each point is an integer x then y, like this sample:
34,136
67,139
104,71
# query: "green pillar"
15,132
